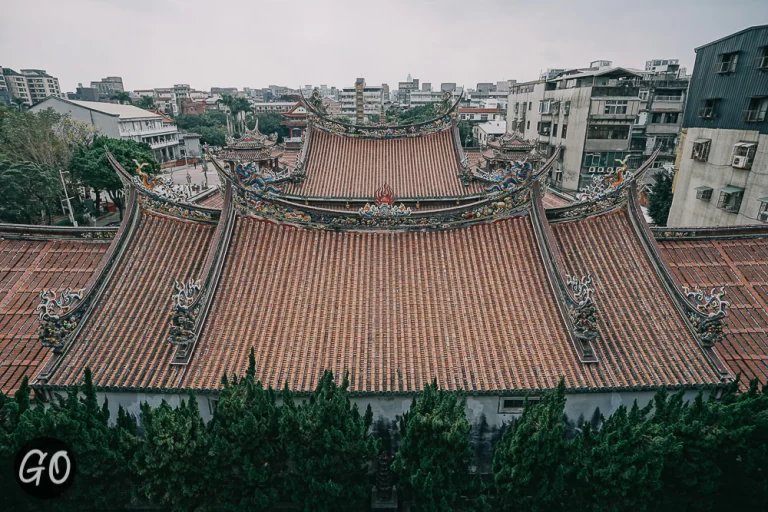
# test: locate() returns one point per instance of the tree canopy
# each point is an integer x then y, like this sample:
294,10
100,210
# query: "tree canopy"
146,102
90,165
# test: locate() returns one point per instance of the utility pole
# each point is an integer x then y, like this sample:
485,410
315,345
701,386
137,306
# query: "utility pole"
68,208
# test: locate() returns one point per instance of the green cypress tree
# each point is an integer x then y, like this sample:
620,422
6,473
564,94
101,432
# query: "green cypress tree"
172,460
330,448
246,453
660,200
434,458
531,463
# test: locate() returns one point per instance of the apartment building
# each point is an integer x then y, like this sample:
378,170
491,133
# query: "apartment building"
723,175
108,86
5,95
362,101
589,113
122,122
31,85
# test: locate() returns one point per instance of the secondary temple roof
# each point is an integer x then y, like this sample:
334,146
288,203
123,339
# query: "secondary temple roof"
490,295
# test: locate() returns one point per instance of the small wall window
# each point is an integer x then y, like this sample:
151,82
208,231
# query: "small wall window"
528,127
530,105
704,193
565,131
726,62
644,95
515,404
743,155
762,214
730,199
545,106
762,58
708,109
567,108
700,151
757,109
212,403
554,130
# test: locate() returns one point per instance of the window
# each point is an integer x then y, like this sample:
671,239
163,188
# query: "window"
762,214
515,405
664,117
530,105
567,109
554,130
704,193
565,131
762,58
543,128
529,125
726,62
212,403
615,107
608,132
758,106
700,151
730,199
483,117
709,108
644,95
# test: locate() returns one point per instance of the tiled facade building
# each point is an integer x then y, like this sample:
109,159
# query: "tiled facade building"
391,254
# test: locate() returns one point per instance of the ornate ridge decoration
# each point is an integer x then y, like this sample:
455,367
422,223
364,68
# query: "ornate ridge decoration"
184,313
709,314
610,182
582,310
175,210
55,326
507,177
586,209
98,235
316,101
163,188
384,205
445,120
259,180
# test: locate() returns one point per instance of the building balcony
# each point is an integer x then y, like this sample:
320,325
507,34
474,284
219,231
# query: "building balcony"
629,118
163,144
601,145
662,129
144,132
666,105
544,137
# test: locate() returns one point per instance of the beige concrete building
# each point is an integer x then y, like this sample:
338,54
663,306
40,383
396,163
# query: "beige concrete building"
31,85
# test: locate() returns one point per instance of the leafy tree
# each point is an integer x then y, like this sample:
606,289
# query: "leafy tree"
530,464
121,97
172,460
374,118
28,189
329,446
90,165
246,452
269,123
20,104
32,137
146,102
465,134
433,463
212,136
342,119
660,200
412,115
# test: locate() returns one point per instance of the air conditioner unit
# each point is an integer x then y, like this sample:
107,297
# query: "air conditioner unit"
609,169
740,162
601,169
763,216
593,169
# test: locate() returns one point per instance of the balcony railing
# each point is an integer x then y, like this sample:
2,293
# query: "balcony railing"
622,91
754,116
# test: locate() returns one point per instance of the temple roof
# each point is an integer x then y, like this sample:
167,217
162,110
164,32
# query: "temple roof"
123,340
740,264
28,266
344,167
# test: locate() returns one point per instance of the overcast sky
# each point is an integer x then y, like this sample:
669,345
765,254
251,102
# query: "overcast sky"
255,43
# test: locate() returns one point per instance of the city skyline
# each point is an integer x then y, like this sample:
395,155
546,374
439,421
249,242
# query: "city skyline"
160,43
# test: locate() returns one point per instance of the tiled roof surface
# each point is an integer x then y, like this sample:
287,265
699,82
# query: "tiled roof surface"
26,267
550,200
468,306
474,156
416,167
643,341
124,339
742,267
215,200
